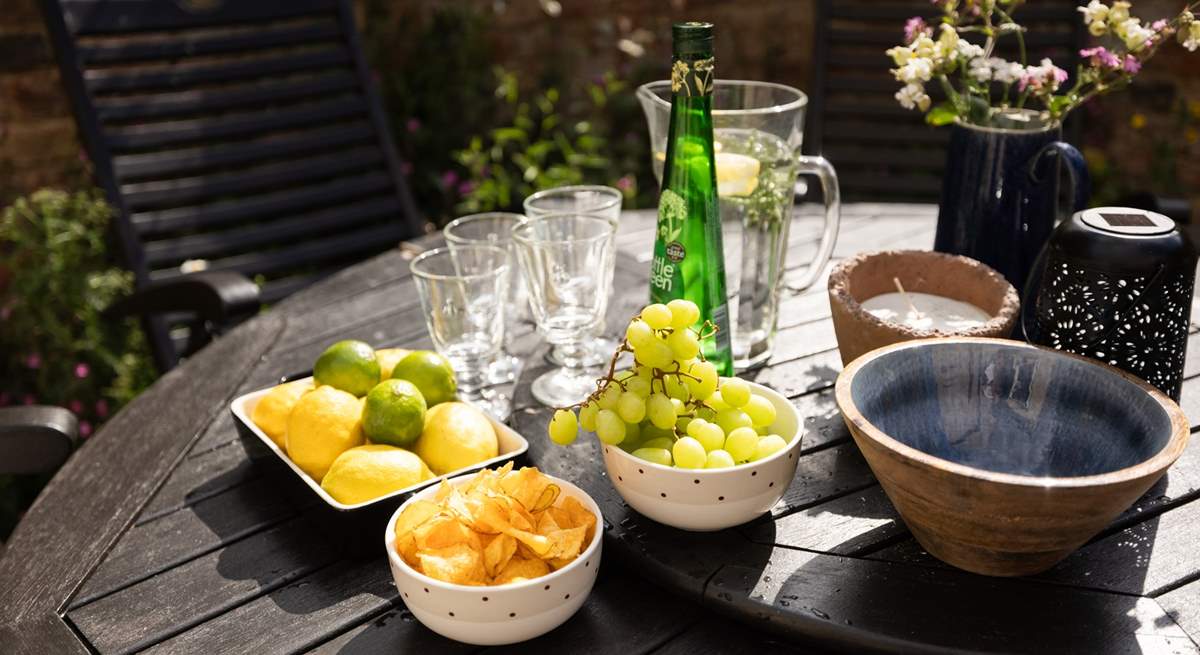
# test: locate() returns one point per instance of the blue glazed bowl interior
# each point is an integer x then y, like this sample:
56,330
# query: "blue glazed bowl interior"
1010,409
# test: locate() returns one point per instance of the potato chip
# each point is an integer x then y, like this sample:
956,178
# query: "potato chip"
502,526
519,569
459,564
497,554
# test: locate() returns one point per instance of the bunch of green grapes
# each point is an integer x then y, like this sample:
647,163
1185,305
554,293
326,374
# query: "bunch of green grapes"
671,407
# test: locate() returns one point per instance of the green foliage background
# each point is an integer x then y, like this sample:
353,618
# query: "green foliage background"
56,279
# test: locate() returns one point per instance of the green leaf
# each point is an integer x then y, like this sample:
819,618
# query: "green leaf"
942,114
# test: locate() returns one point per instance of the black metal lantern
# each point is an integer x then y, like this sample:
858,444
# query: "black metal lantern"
1117,286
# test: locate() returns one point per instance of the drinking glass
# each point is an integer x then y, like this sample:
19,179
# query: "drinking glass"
495,229
576,199
567,260
580,199
463,292
758,129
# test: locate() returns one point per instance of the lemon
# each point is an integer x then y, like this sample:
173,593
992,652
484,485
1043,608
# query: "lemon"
272,410
325,423
348,365
456,436
394,413
737,175
431,373
388,358
367,472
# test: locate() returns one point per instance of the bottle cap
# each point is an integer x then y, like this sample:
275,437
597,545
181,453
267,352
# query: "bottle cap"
692,38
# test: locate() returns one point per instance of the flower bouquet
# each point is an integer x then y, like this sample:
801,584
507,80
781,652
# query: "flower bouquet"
983,89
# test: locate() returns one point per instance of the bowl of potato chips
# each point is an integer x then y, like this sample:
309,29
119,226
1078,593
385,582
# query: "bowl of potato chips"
495,557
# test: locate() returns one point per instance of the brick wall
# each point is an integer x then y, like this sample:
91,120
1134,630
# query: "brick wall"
38,143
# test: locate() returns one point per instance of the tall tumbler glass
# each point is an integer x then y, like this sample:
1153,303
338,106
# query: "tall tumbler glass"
495,229
463,293
568,261
758,130
580,199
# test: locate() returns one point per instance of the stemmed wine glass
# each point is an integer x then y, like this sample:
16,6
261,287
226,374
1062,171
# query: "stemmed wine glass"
463,292
568,261
495,229
580,199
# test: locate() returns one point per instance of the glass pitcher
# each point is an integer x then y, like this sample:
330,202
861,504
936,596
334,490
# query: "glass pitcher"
758,128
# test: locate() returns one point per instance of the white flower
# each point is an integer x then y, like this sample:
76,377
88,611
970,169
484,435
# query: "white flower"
968,50
947,43
1098,28
980,70
900,54
913,96
923,46
1134,34
1190,38
1119,12
1094,12
1005,72
915,70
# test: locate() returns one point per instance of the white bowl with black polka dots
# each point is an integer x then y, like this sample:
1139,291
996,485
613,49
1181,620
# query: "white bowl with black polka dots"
710,499
503,614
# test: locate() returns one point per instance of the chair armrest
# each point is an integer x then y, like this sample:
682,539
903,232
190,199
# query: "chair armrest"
36,438
215,296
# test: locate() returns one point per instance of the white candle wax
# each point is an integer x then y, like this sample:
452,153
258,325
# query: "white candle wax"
933,312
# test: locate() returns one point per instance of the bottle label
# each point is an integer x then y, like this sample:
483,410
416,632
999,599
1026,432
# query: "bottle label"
664,271
692,78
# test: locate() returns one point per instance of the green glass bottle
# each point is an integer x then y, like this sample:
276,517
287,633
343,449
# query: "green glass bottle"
689,260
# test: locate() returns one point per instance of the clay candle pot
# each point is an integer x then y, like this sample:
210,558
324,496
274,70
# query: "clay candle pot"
872,274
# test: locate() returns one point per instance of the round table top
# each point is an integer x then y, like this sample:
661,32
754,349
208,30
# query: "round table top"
164,533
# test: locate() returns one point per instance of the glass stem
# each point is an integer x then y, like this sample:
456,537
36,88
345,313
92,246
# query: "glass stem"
572,357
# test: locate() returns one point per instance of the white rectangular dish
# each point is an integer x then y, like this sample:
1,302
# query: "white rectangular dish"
511,444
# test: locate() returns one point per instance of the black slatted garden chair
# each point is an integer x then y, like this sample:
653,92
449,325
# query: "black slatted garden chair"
241,138
884,152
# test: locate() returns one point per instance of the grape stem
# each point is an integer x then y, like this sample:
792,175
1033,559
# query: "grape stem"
707,330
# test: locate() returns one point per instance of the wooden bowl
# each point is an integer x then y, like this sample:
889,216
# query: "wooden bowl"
1003,457
870,274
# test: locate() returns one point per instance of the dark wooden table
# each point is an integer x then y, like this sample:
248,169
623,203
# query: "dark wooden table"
165,534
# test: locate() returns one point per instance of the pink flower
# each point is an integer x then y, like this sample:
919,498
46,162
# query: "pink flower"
913,27
1159,25
625,183
465,187
81,370
1100,56
6,311
75,406
85,429
1132,65
406,168
449,179
5,398
33,360
102,408
28,399
412,125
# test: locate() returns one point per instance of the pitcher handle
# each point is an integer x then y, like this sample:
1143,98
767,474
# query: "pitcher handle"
1077,172
821,168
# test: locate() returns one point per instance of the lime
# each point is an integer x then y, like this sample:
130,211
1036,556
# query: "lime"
368,472
348,365
431,373
324,423
456,436
394,413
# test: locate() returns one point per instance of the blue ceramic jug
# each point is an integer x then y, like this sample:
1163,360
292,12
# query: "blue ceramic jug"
1000,191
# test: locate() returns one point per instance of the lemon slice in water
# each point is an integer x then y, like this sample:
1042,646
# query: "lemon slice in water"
737,175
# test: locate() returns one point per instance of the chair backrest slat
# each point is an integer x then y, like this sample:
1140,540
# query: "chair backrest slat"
247,134
100,17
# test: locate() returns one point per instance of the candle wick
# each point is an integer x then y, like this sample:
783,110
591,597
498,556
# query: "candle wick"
907,298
